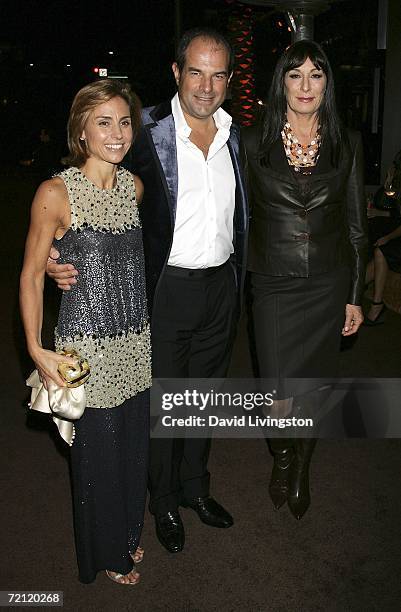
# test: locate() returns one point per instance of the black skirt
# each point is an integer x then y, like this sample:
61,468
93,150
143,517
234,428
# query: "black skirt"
297,325
379,227
109,468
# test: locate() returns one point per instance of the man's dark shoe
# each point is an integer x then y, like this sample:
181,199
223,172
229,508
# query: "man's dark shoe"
170,531
209,511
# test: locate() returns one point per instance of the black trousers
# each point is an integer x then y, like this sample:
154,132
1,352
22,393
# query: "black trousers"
193,326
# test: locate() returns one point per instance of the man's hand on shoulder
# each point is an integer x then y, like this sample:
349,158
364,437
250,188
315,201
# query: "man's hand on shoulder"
63,274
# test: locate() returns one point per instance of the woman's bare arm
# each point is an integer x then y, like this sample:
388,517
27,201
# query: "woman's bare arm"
49,218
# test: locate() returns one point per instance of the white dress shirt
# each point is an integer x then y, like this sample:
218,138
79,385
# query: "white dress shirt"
203,232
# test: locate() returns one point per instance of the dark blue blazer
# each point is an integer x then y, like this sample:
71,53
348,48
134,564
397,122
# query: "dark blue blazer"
154,159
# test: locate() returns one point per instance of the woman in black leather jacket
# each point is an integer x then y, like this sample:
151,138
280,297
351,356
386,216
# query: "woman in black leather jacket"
307,247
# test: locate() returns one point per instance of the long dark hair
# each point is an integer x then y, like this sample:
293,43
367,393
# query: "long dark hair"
330,126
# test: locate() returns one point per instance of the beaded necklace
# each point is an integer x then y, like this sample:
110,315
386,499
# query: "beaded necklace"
300,156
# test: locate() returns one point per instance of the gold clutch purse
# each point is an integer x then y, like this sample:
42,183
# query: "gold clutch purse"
65,404
77,375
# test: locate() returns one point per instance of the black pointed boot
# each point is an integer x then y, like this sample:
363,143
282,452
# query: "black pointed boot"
299,494
283,453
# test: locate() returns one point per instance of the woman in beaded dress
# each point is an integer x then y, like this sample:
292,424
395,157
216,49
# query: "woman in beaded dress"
90,210
307,247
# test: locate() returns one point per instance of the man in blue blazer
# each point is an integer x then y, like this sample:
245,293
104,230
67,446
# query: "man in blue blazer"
194,218
193,212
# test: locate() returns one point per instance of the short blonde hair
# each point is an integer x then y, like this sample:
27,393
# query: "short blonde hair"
83,104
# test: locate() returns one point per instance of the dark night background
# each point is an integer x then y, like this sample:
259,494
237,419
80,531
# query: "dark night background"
345,554
65,41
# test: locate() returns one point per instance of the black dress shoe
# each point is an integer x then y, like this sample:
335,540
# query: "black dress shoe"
170,531
210,512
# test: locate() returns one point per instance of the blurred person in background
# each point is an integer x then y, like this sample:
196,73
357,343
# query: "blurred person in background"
384,239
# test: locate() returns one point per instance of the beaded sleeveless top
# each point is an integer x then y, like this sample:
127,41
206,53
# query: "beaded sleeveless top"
104,316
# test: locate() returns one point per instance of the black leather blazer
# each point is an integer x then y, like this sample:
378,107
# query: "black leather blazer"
303,226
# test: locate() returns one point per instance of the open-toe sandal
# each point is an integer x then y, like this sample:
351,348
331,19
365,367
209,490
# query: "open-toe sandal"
118,578
137,556
379,318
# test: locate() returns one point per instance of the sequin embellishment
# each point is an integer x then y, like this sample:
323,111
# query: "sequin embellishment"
102,209
104,316
120,366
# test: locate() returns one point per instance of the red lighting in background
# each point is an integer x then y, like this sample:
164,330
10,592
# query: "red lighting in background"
244,104
96,69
